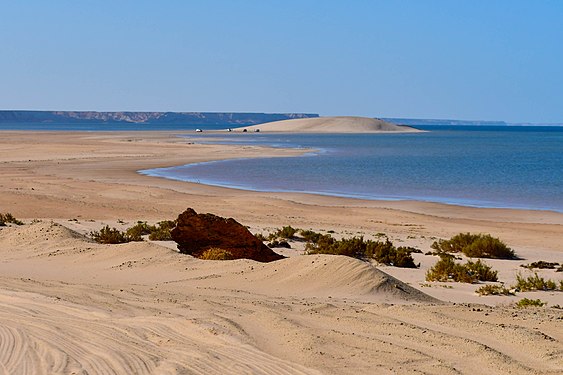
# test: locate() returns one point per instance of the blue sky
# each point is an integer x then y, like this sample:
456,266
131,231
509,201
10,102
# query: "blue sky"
489,59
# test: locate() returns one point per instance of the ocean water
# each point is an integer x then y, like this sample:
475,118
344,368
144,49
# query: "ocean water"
510,167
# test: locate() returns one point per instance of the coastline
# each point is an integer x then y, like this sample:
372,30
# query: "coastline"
83,181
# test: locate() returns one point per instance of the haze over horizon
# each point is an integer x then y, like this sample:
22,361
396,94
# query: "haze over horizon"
475,60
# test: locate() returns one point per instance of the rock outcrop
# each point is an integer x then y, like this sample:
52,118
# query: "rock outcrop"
195,233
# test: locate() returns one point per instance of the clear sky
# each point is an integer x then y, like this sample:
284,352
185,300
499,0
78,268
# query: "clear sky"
488,59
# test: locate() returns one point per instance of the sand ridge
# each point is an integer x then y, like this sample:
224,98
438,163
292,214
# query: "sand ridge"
337,124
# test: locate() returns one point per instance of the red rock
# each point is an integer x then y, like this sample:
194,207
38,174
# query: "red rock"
195,233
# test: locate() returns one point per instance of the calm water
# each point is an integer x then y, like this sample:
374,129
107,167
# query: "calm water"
515,167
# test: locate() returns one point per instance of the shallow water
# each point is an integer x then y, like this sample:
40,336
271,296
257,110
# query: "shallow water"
513,167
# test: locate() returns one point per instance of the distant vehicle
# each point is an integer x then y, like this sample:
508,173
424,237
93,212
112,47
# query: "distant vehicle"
256,130
198,130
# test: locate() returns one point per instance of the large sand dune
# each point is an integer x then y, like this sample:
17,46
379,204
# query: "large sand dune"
343,124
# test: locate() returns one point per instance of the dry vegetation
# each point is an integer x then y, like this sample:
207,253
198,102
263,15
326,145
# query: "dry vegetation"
158,232
446,269
475,246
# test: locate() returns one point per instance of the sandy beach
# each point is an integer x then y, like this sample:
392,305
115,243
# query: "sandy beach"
69,305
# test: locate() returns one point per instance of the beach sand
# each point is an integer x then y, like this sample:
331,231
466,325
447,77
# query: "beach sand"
69,305
337,124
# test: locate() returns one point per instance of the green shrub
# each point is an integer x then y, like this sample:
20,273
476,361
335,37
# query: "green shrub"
108,235
9,218
140,229
356,247
541,264
446,269
526,302
287,232
493,290
475,246
533,283
161,232
215,253
481,270
309,235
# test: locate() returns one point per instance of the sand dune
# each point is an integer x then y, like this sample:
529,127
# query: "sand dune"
142,308
345,124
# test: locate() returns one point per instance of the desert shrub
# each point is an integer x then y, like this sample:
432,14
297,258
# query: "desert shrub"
140,229
493,290
381,251
446,269
161,231
287,232
475,246
160,234
215,253
541,264
481,270
108,235
456,244
535,282
277,243
309,235
9,218
526,302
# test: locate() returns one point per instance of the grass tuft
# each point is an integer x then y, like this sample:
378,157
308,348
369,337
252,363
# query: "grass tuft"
215,253
526,302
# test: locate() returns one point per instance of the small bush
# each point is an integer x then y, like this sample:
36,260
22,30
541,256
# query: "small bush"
493,290
287,232
541,264
138,230
161,232
446,269
309,235
481,270
356,247
475,246
9,218
526,302
533,283
108,235
215,253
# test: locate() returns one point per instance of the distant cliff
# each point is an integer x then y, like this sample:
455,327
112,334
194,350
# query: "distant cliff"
192,118
414,121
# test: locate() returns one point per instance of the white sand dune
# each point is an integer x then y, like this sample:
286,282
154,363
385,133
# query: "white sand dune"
142,308
343,124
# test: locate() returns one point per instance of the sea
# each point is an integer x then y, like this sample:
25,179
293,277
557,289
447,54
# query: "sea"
478,166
